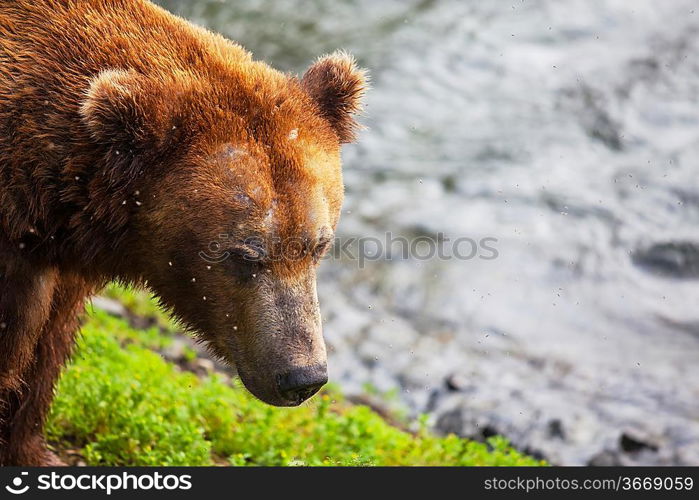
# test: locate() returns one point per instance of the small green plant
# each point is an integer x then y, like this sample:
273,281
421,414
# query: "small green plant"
122,404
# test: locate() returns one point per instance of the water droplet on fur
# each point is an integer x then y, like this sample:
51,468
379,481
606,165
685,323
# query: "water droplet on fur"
208,268
235,328
77,177
204,297
169,264
194,280
138,203
21,246
293,134
3,326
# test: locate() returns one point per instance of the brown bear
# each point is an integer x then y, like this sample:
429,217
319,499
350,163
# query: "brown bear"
130,142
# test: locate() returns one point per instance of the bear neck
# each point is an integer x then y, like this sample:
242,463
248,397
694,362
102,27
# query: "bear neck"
77,209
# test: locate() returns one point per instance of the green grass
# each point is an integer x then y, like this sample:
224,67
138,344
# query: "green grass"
122,404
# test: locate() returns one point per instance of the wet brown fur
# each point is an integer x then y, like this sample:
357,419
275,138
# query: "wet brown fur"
129,141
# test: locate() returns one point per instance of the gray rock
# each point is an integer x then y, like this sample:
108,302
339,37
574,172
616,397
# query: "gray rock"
678,259
112,307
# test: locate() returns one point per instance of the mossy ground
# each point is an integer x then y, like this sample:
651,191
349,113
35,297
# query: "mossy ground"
120,403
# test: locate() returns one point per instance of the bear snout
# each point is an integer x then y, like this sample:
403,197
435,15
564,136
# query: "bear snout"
299,384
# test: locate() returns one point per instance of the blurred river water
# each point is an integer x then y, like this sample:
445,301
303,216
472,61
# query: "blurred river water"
568,131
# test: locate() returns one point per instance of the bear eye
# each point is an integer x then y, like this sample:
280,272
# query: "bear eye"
249,252
322,248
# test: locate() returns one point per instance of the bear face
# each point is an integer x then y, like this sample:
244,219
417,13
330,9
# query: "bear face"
239,198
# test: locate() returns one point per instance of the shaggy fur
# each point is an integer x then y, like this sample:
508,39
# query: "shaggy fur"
131,140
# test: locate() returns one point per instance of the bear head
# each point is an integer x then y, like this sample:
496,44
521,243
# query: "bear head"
235,172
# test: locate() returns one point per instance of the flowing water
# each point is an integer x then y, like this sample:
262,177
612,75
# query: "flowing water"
569,132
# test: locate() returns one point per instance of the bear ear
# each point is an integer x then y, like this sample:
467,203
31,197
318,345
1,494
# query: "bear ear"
115,108
337,85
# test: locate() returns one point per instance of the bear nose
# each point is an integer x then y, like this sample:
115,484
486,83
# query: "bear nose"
299,384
